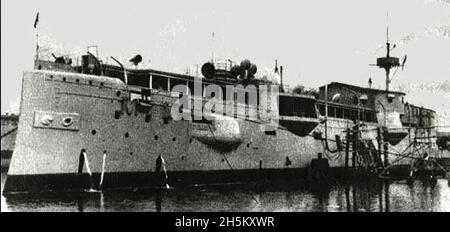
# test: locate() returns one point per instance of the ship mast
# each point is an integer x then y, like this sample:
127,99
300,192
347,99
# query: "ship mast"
388,62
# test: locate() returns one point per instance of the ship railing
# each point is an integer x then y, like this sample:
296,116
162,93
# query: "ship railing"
76,60
287,88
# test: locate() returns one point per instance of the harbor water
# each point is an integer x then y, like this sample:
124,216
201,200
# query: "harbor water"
281,196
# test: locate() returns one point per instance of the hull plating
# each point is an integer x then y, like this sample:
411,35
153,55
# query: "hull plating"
62,113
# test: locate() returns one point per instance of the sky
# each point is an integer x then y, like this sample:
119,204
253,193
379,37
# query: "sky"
317,42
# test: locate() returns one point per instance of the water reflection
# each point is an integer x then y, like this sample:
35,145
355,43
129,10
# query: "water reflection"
374,196
80,203
158,201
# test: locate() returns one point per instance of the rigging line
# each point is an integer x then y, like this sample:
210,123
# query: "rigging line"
223,155
374,139
389,166
415,143
328,148
332,157
389,152
396,153
445,126
336,153
408,147
395,150
399,158
9,132
393,128
439,165
412,156
431,161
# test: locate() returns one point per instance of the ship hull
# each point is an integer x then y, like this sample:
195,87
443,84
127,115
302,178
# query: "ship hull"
133,180
65,113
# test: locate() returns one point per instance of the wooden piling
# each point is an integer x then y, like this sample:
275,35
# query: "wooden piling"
386,198
385,148
347,148
355,145
380,142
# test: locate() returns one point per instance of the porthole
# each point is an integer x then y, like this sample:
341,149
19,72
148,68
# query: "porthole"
93,132
156,137
67,122
166,120
127,135
174,139
64,79
101,84
90,82
117,114
77,80
147,117
190,140
182,157
118,93
271,132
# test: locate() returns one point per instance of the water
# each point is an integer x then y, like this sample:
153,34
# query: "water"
289,196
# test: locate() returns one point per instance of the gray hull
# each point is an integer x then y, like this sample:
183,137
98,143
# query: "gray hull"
63,113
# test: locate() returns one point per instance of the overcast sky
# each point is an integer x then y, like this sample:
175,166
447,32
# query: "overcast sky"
317,41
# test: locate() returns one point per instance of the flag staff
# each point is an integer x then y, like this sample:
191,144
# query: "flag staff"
36,26
212,52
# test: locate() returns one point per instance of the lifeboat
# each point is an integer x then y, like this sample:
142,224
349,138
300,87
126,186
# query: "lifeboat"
221,133
395,131
298,113
301,126
395,135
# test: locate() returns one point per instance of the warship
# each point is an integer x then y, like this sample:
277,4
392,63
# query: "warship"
90,124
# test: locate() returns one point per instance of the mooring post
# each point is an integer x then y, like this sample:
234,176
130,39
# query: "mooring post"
385,147
355,145
380,198
347,148
347,197
379,141
386,197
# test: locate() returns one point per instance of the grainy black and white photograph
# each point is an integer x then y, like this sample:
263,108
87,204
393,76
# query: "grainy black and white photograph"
225,106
